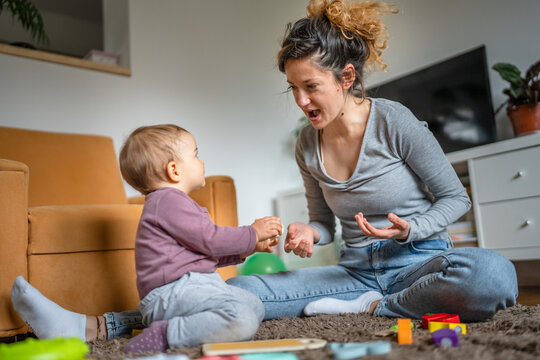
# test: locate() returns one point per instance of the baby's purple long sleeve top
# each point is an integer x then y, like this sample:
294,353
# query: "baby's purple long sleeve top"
176,236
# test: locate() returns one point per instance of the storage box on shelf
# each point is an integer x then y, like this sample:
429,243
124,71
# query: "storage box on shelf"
504,182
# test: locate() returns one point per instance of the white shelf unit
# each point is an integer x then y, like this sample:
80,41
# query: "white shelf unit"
505,188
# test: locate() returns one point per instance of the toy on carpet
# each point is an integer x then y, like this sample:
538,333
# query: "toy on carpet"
256,356
163,357
458,328
404,331
220,357
269,356
445,337
345,351
261,346
34,349
262,263
392,331
440,317
395,328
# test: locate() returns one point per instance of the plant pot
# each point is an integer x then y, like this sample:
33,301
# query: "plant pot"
525,119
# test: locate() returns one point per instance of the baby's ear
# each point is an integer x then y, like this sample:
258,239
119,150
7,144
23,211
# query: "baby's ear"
173,172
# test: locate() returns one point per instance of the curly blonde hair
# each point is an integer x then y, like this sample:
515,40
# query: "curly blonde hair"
362,18
338,32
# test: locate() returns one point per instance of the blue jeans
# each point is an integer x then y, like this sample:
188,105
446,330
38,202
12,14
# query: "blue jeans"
414,278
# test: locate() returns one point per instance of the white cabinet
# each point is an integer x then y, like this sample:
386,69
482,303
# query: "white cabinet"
505,188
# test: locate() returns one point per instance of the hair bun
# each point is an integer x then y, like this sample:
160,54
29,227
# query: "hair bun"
362,18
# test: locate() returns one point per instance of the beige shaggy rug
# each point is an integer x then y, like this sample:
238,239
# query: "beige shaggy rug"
511,334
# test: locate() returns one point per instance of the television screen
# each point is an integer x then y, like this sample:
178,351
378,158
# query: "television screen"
452,96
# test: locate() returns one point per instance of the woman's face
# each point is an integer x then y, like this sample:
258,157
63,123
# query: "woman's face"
315,91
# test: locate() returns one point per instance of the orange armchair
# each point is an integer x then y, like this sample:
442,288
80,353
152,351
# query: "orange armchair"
67,226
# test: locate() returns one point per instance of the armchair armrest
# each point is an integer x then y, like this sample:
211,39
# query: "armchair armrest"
79,228
218,196
137,200
13,239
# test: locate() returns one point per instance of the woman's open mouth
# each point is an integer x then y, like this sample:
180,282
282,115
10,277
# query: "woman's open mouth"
314,115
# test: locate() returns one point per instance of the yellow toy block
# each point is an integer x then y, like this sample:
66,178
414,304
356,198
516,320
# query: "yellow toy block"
436,325
404,335
459,328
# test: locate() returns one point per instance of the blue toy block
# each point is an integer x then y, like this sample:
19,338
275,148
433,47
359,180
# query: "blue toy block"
345,351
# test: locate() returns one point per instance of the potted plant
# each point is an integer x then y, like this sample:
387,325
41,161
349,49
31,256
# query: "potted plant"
522,106
26,13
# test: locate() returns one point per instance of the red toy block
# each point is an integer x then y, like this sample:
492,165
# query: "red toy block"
440,317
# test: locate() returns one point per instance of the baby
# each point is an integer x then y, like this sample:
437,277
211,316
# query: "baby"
178,248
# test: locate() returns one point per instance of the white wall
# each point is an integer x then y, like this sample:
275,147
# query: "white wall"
210,66
206,65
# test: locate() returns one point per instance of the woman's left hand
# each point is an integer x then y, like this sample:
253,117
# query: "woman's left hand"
398,230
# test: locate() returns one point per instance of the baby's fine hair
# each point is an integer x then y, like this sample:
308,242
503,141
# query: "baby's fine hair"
146,153
336,33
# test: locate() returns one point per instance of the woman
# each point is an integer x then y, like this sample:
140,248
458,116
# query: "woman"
372,164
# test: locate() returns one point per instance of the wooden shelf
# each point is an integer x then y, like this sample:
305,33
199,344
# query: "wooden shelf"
63,59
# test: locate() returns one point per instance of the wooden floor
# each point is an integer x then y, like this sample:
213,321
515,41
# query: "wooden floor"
529,295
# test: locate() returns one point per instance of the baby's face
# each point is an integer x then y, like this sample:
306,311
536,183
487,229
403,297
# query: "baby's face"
190,164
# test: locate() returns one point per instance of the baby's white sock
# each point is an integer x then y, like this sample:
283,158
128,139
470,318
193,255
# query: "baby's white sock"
47,319
336,306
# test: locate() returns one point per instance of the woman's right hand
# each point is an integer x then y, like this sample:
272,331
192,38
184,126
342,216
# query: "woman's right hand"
299,240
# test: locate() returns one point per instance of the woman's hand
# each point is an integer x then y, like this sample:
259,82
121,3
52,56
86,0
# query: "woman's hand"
398,230
299,239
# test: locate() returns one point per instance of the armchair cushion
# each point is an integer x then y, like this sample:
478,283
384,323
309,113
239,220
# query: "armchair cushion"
77,228
66,169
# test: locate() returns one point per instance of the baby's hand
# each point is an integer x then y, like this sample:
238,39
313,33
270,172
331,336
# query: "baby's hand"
263,246
266,245
267,227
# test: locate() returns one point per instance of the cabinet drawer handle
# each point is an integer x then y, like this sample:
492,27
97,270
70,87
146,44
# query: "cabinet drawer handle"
526,223
519,174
